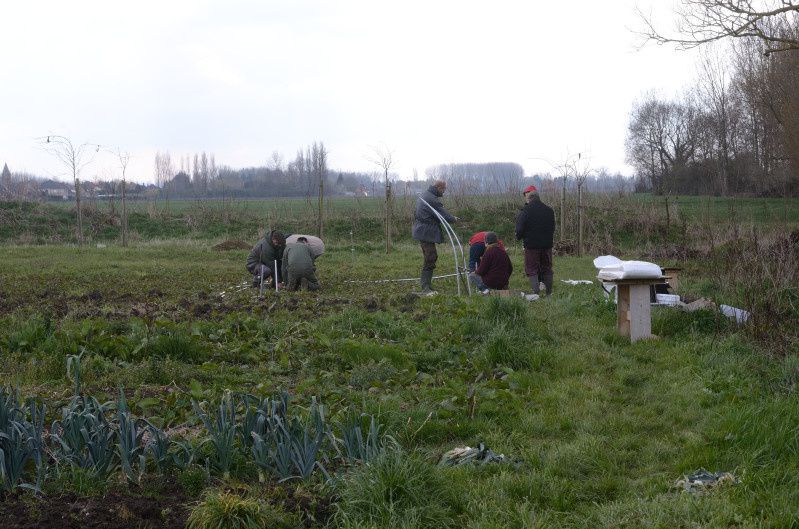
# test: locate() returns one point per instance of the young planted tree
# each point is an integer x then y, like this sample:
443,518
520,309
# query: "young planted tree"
581,170
383,157
74,159
164,171
319,169
124,158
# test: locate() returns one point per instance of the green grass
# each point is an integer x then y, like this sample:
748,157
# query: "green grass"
602,427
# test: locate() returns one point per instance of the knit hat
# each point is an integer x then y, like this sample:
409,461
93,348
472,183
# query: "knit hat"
491,237
530,189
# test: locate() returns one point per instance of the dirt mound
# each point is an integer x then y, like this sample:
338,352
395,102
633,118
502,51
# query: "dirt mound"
232,244
114,510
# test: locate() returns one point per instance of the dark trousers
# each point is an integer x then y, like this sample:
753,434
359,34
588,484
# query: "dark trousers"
295,280
537,262
430,255
267,272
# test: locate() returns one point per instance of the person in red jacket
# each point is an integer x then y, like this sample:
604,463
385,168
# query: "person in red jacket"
477,247
495,267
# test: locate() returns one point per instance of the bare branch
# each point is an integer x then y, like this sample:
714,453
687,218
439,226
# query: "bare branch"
775,22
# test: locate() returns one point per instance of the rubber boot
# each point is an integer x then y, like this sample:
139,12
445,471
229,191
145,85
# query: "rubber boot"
534,284
426,280
548,283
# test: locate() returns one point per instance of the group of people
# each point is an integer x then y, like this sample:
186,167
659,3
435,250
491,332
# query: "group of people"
288,261
489,265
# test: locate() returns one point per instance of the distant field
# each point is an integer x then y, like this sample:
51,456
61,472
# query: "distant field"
291,205
611,223
759,210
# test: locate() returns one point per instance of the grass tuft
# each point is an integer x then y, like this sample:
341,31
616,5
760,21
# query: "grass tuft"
394,490
231,511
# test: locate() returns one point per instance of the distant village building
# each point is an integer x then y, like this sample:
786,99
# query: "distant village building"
54,190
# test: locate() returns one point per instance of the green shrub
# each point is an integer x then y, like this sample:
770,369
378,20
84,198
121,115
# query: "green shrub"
81,481
365,375
29,335
507,311
395,490
517,348
231,511
356,322
175,346
672,322
355,353
193,480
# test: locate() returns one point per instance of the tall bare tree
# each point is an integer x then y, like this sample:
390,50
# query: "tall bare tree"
774,22
319,170
383,157
164,171
124,159
580,169
74,158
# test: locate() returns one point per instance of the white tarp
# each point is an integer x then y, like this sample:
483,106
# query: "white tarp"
612,268
316,244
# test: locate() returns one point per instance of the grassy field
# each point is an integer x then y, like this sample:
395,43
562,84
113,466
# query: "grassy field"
759,210
597,430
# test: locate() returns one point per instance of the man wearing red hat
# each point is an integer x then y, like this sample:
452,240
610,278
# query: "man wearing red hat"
535,226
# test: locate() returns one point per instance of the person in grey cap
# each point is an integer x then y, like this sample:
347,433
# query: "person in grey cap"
427,230
495,267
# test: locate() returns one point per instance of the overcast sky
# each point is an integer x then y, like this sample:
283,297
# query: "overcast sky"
435,81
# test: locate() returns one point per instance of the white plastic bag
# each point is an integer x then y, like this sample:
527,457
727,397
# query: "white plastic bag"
612,268
315,243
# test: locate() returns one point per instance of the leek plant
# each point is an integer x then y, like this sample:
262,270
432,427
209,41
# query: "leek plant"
222,430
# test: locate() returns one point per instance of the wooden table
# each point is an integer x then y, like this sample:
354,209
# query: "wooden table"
633,307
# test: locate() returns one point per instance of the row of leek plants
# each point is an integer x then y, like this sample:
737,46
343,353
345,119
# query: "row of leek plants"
283,441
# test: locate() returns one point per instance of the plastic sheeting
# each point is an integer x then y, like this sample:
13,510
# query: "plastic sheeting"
612,268
316,244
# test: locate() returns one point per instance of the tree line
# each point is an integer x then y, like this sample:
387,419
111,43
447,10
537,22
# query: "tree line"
736,130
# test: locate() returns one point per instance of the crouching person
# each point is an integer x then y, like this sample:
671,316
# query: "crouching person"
495,267
261,260
298,266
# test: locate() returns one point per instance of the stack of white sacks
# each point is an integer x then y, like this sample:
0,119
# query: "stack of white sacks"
612,268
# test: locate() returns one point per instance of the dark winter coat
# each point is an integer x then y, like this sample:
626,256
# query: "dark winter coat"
264,253
495,268
535,225
426,226
297,260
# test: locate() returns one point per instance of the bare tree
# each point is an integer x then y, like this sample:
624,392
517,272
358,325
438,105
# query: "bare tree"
580,168
74,159
275,161
383,157
661,140
774,22
124,159
714,89
319,169
164,171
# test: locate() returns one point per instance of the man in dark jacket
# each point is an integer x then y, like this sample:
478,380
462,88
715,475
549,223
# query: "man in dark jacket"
535,226
261,260
495,266
427,229
298,266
